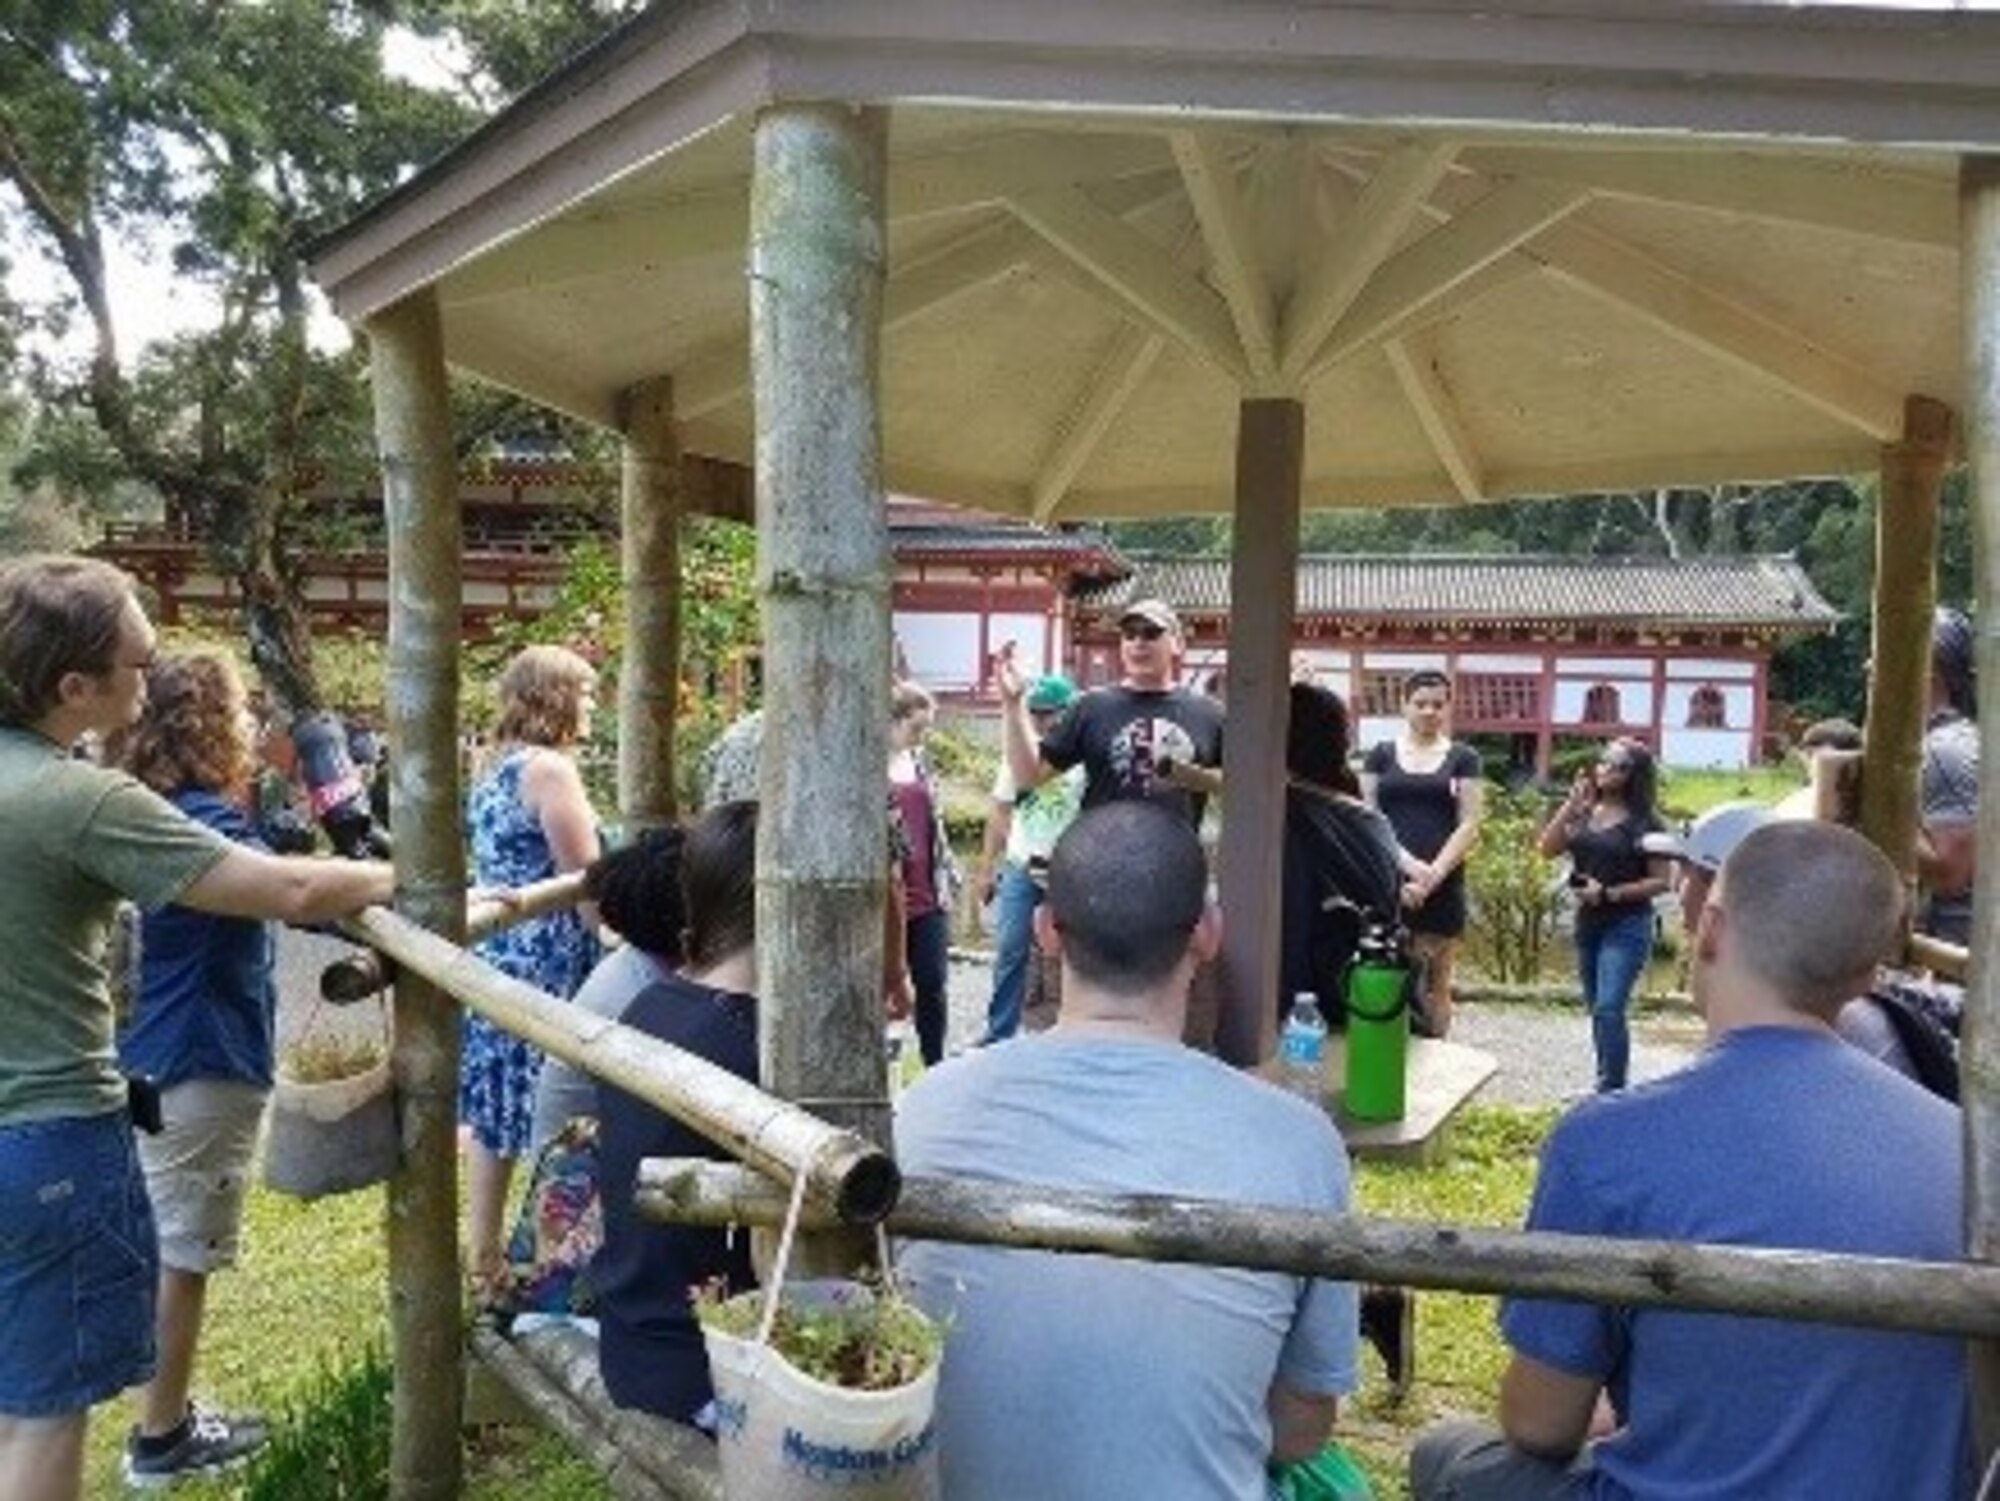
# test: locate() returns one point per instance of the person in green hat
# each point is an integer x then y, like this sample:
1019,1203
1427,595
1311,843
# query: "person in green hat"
1021,830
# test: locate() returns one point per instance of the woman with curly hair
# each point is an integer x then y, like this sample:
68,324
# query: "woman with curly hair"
530,818
201,1022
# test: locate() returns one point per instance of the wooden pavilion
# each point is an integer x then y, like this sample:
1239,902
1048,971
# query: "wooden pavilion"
1157,256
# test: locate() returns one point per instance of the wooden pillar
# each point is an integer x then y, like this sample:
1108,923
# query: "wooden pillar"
1979,1061
420,497
1263,593
650,500
1906,532
817,259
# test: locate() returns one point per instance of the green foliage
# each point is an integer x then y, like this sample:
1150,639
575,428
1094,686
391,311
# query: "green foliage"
331,1442
873,1340
510,44
1513,891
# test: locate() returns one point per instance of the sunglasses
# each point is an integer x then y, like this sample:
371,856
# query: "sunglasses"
1140,630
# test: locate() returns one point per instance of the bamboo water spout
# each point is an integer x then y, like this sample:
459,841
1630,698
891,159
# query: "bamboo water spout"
849,1175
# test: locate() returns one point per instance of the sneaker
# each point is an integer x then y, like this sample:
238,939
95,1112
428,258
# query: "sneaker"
209,1444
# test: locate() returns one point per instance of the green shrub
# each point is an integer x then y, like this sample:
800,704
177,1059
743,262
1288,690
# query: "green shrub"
1513,891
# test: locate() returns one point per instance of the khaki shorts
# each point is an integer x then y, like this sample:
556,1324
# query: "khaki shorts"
198,1167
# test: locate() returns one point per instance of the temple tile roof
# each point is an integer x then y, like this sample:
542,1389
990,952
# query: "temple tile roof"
919,529
1764,592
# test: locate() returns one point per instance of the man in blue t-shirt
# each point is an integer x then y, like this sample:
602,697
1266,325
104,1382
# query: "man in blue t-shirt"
1779,1135
1095,1376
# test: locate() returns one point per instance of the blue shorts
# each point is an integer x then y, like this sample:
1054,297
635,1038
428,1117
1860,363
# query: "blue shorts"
78,1265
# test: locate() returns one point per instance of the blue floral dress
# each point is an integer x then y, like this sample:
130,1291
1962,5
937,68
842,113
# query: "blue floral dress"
498,1071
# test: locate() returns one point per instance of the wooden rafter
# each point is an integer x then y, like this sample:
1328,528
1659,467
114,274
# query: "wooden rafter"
687,226
719,374
1461,247
1394,197
1139,272
1437,412
1111,389
1232,249
1751,341
1854,200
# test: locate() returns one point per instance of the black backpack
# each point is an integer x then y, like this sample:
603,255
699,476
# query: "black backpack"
1926,1022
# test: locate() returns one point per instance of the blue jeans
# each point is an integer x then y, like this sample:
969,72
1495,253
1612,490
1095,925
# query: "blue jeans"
1609,961
1014,902
78,1265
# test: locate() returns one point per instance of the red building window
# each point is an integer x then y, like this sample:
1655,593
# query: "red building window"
1498,698
1600,705
1707,709
1381,694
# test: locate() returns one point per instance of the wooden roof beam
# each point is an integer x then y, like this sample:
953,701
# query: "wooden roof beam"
1460,248
1110,391
691,225
1750,341
1232,248
1394,197
1437,413
716,376
1140,273
1862,201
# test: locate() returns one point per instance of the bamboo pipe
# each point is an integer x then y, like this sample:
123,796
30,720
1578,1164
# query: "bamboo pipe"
851,1176
1811,1287
355,977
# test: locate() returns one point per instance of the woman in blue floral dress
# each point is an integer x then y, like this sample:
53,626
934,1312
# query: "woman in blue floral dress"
530,818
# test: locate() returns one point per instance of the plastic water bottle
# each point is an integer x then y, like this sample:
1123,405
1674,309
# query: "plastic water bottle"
1302,1049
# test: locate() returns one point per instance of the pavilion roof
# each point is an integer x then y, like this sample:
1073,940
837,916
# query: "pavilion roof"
1516,248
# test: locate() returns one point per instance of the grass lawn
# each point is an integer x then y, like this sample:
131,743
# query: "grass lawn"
293,1326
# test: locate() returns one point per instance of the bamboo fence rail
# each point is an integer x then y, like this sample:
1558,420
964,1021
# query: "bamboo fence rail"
1812,1287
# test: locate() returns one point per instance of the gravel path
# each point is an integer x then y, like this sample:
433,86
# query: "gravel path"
1544,1051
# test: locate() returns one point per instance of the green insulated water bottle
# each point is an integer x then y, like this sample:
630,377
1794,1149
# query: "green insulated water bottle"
1378,1028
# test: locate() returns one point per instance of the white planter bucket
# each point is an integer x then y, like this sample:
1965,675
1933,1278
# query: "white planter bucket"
783,1436
332,1136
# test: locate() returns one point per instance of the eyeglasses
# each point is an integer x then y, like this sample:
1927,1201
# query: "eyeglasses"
1141,630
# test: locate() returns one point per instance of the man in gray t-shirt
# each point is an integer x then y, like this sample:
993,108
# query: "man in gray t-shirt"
1087,1375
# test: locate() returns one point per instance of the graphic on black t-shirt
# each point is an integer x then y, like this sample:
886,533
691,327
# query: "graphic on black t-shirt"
1138,749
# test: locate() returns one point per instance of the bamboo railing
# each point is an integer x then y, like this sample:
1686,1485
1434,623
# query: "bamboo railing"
1809,1286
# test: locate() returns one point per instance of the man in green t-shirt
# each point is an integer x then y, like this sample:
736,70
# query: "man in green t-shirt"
78,1263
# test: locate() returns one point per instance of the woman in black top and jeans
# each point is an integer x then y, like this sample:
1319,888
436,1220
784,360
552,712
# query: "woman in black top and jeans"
1599,826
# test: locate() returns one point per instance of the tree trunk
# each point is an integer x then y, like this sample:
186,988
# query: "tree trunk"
818,247
420,495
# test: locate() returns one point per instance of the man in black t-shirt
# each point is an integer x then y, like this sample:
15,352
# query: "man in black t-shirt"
1145,737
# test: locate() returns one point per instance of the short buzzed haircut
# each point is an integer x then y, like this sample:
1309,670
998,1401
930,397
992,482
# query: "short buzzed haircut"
1814,908
1127,884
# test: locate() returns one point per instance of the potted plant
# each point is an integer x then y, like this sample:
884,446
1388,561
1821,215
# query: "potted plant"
834,1394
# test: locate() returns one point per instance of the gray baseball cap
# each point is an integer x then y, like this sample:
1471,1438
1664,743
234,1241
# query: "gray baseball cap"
1711,837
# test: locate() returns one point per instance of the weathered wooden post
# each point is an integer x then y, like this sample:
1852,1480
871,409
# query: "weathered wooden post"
1979,1060
1263,591
1906,532
420,497
650,500
817,250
